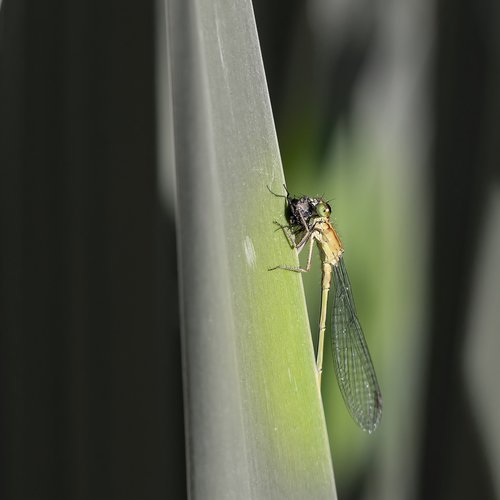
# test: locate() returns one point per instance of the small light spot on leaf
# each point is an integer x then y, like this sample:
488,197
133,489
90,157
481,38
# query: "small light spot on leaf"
249,251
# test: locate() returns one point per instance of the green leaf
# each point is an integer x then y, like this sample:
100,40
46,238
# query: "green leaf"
254,418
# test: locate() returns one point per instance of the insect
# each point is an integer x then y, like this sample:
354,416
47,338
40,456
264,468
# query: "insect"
309,223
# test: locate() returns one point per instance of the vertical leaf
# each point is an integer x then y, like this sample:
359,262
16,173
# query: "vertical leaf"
254,416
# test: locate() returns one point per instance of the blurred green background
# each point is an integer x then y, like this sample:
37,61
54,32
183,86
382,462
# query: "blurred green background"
391,110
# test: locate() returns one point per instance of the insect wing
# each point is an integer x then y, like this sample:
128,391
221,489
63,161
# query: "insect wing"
353,365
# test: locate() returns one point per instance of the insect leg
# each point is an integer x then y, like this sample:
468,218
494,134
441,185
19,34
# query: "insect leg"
308,237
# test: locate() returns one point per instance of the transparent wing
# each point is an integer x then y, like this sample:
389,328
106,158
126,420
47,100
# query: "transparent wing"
353,365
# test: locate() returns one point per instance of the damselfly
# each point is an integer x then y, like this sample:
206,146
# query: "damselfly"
309,222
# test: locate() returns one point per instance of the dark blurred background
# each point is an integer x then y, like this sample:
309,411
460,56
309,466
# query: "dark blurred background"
391,108
91,390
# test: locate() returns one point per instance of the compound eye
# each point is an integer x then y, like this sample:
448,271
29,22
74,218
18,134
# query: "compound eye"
323,209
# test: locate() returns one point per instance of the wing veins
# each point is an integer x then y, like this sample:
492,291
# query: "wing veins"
353,365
